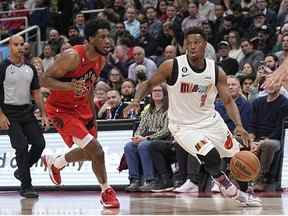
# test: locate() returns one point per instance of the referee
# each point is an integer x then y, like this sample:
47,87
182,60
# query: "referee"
18,81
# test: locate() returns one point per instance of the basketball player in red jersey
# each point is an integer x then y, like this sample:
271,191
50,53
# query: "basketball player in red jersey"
69,106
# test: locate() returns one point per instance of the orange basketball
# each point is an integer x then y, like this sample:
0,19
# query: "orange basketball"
245,166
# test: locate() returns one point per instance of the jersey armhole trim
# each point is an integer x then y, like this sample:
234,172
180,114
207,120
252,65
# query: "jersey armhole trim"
174,74
216,74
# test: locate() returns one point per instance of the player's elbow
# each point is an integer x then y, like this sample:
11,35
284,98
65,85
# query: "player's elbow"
228,101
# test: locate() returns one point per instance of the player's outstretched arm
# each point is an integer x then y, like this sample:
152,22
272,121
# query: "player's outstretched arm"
161,75
66,62
279,76
231,107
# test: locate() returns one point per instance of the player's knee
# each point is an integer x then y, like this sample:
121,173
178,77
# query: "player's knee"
95,148
212,162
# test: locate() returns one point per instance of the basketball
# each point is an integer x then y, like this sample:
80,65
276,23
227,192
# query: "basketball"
245,166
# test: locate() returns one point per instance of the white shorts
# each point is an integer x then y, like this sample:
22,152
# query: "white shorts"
201,140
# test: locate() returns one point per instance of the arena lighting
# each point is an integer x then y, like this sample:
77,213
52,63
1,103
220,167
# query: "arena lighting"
113,136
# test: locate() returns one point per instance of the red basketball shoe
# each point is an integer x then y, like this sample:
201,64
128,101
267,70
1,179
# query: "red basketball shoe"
54,173
109,198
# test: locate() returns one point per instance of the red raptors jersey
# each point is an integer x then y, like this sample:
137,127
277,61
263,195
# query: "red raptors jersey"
87,70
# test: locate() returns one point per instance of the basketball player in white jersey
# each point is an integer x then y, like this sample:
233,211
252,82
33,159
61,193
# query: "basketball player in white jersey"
193,83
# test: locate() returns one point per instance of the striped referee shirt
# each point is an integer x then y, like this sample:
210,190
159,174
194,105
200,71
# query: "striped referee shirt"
16,85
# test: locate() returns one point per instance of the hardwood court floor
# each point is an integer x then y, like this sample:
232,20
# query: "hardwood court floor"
87,203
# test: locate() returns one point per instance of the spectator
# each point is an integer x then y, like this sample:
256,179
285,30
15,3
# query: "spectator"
79,23
146,40
234,41
115,79
187,177
194,18
246,70
265,39
140,59
119,8
162,10
170,52
247,86
55,41
113,107
118,59
163,156
265,130
229,65
121,36
222,32
243,105
154,24
132,25
207,9
100,97
270,15
127,90
48,57
153,126
284,53
27,53
252,56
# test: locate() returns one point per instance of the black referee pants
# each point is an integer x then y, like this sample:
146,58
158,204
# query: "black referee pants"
22,134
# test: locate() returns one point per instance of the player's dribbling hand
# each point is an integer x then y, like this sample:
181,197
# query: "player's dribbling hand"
79,87
240,131
132,107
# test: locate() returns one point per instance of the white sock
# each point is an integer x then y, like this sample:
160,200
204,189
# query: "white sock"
60,162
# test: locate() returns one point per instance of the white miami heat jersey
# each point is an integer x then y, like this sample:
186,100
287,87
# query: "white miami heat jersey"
191,98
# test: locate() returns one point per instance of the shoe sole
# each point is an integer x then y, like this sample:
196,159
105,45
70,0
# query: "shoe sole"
251,205
109,205
163,190
49,170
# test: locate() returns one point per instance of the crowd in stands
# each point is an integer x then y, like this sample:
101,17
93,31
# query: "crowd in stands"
247,38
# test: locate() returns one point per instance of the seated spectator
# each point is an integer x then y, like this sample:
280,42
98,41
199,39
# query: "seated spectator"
127,90
243,105
265,130
27,53
170,52
140,59
187,176
246,70
247,87
100,96
48,57
163,156
234,41
115,79
132,25
153,126
113,107
146,40
251,55
229,65
55,40
118,59
194,19
74,35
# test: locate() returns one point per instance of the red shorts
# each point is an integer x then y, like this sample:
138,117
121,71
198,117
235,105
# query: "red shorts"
76,122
